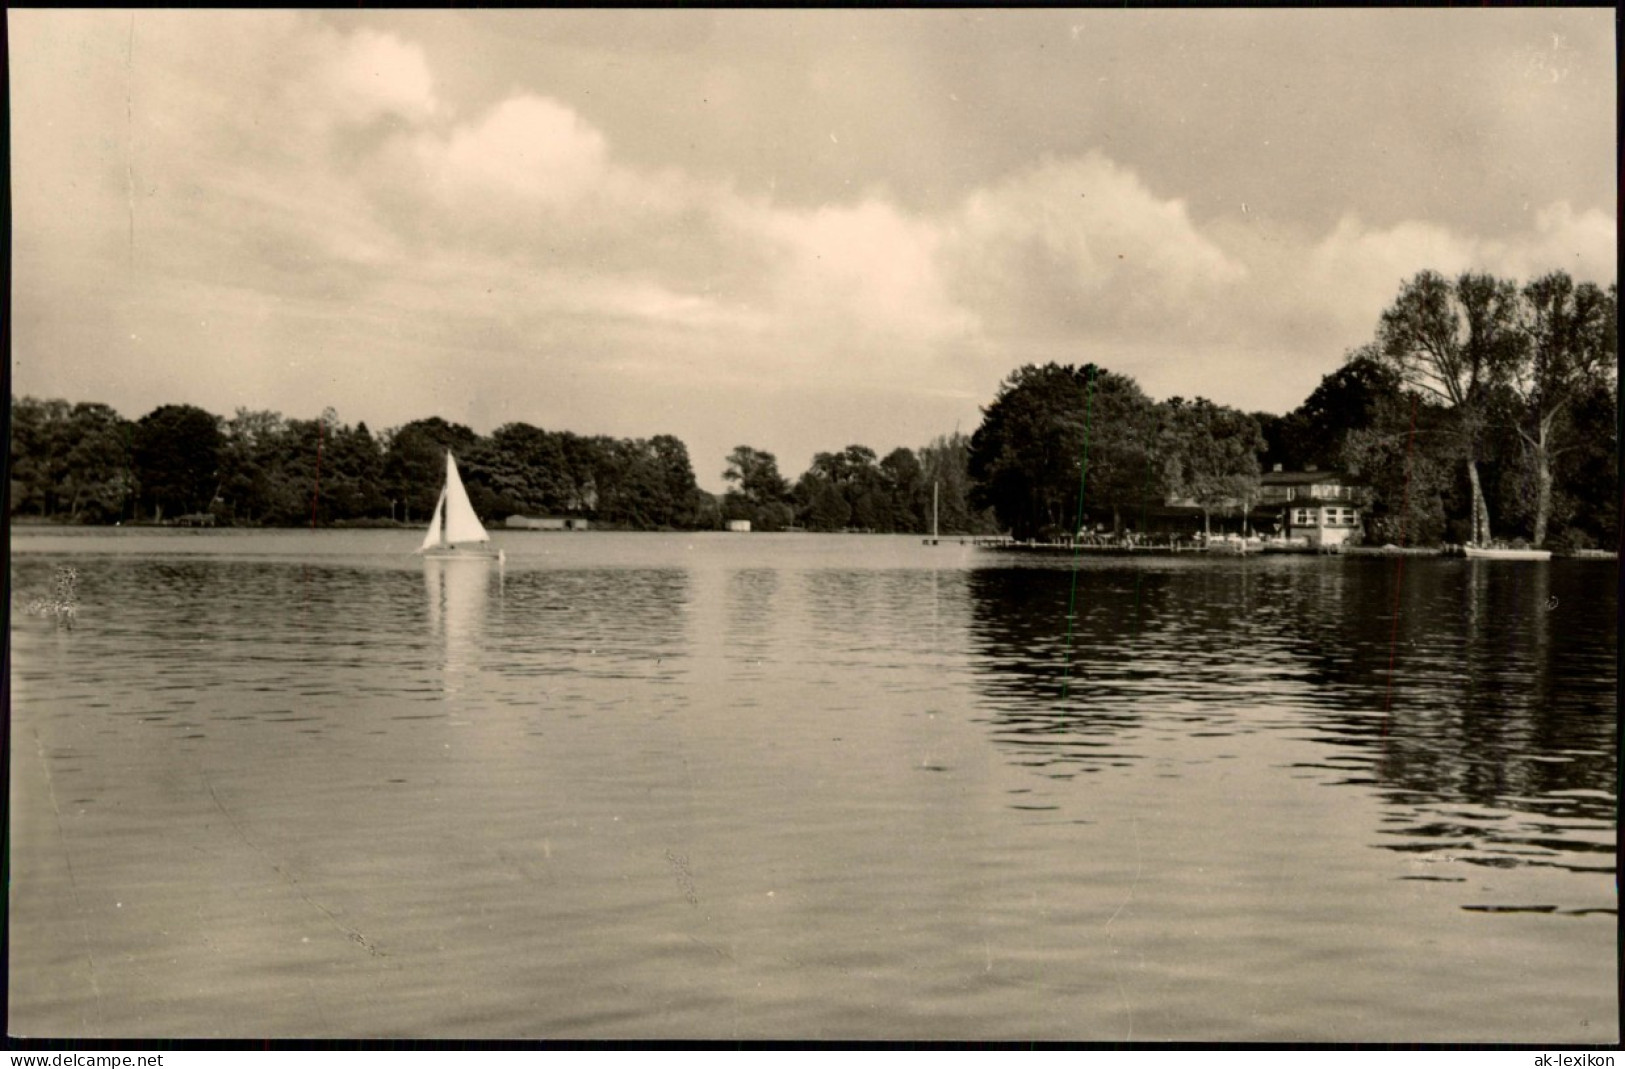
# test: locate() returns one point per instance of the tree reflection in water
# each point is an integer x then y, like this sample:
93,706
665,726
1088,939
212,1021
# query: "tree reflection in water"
1496,740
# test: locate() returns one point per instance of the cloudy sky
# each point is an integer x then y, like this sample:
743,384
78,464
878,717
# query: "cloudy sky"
793,230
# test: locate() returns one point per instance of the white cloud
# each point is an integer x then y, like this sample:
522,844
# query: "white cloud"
1079,245
373,74
1585,244
868,267
531,189
528,148
1355,272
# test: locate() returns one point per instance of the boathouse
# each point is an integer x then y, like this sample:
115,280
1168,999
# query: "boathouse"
1321,508
546,523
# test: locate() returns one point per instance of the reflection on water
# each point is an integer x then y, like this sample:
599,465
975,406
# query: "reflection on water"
752,593
1179,646
622,624
1488,744
458,591
677,786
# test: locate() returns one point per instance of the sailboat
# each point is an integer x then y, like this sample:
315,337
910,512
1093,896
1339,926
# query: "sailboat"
1501,553
455,531
933,540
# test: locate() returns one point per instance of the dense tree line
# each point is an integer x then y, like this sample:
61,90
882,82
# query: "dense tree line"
855,490
71,461
87,464
1479,409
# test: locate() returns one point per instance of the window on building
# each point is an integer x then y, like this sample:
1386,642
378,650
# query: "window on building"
1303,517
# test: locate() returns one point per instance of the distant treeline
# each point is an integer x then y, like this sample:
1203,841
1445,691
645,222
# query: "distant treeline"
1476,399
85,463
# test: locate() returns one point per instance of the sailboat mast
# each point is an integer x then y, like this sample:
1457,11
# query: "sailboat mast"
934,487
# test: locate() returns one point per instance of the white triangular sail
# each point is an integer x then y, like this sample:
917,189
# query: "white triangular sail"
462,525
432,538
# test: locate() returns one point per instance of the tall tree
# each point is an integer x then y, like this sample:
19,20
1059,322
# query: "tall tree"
71,460
756,474
1280,440
250,459
1029,456
625,490
415,462
822,506
306,471
1405,455
856,475
359,457
176,454
1211,454
1352,397
39,447
1572,345
522,470
345,481
759,493
98,476
1588,497
647,483
905,489
1452,341
583,460
681,503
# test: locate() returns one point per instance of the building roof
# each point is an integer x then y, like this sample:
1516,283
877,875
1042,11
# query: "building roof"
1305,478
1315,502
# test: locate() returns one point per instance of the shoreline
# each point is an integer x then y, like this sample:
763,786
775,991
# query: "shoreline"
1064,549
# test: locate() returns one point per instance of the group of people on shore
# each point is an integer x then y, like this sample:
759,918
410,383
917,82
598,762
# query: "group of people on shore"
1130,539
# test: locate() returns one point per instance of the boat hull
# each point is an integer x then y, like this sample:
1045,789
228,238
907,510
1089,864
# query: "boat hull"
464,553
1474,553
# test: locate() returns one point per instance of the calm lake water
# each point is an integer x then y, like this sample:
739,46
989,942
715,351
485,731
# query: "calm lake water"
793,786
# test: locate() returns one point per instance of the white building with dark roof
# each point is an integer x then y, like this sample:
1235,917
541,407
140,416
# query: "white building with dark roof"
1320,507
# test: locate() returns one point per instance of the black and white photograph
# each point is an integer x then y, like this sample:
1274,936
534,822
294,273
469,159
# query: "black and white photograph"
853,526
